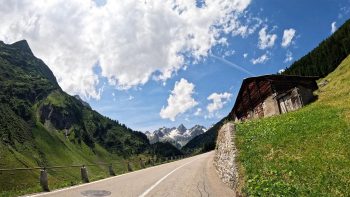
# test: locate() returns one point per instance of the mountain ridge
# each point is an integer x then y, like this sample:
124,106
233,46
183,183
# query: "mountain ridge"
41,125
178,136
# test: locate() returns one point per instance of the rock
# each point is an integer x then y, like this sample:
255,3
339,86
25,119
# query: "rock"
225,154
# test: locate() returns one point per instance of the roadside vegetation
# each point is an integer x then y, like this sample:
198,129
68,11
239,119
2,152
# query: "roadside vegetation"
302,153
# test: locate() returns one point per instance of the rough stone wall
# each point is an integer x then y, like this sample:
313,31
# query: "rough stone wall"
225,154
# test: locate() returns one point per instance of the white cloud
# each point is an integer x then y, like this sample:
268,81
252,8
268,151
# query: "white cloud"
218,101
289,57
131,98
245,55
244,30
229,53
180,100
280,71
131,40
333,27
262,59
266,40
288,35
198,112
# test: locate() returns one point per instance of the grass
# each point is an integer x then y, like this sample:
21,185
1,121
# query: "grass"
302,153
53,149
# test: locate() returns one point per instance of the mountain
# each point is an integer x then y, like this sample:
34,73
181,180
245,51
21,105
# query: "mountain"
204,142
82,101
32,95
41,125
165,149
177,136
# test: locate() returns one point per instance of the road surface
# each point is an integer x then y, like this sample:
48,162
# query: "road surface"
194,176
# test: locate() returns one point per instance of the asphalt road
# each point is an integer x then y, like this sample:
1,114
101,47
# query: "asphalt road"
194,176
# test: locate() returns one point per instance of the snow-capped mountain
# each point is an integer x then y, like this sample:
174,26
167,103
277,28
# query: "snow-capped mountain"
178,136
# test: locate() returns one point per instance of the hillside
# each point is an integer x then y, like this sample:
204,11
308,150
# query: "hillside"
325,57
204,142
40,125
302,153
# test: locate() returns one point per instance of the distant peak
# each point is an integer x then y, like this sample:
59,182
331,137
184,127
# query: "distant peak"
182,128
23,46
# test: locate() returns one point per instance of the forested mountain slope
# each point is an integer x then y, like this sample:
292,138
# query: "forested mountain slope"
41,125
325,57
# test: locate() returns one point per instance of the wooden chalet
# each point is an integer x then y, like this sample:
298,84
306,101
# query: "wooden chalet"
269,95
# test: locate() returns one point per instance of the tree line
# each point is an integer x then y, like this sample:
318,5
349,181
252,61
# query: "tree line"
325,57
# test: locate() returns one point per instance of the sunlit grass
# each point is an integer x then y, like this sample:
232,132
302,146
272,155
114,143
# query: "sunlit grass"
303,153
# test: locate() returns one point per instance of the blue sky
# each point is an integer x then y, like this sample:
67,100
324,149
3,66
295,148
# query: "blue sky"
150,64
312,21
139,108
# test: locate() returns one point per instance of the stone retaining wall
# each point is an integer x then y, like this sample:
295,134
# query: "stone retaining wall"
225,153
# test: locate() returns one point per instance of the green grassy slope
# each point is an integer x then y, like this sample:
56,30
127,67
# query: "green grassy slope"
302,153
40,125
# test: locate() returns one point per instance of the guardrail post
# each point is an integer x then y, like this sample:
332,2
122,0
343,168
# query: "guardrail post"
129,167
111,171
43,180
84,174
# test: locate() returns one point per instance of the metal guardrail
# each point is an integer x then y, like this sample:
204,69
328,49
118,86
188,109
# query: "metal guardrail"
52,167
43,178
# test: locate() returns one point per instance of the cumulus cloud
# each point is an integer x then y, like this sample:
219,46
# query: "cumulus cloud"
217,101
244,30
180,100
245,55
289,57
131,41
288,36
261,60
333,27
266,40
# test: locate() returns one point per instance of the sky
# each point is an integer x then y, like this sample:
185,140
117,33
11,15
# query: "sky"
155,63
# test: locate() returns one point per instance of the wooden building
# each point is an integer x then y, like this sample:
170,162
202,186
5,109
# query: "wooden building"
269,95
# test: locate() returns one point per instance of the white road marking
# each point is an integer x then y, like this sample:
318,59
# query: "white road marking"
162,179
